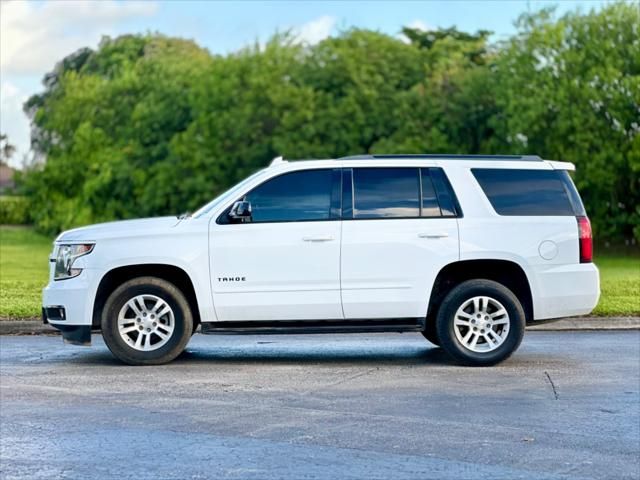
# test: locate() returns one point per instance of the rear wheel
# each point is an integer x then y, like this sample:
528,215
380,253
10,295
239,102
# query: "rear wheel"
480,322
146,321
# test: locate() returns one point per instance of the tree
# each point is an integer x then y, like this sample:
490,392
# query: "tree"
152,125
6,149
569,89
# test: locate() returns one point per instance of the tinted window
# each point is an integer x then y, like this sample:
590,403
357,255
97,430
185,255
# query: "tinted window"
572,191
296,196
446,199
525,192
430,206
347,194
386,192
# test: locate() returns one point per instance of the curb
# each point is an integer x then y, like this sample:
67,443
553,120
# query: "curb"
36,327
26,327
588,323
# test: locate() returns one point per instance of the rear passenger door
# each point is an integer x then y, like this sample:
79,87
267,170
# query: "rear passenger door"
399,229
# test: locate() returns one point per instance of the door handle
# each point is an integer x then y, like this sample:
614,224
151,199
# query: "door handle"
318,238
433,235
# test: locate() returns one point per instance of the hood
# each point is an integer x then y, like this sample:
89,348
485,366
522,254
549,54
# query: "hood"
123,228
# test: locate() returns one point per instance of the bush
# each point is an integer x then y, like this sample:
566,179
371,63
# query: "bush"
14,210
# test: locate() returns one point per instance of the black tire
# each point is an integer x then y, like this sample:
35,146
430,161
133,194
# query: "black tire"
178,339
456,298
430,332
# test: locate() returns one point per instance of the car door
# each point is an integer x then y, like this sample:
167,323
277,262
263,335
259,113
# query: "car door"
399,230
284,262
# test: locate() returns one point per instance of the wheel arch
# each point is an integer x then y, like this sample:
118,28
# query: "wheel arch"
506,272
118,275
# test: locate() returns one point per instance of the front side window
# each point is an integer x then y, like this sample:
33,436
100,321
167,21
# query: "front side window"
386,193
297,196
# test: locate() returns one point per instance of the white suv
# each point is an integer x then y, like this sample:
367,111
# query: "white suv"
465,249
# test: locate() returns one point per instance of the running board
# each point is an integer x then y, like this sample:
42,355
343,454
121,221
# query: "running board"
266,327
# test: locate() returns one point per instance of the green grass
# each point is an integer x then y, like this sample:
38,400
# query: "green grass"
24,271
619,285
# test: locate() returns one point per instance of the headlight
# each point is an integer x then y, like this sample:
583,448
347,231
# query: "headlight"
67,254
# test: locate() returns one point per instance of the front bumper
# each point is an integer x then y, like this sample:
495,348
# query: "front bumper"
75,334
68,306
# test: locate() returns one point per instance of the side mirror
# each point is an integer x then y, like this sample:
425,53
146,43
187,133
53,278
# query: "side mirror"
240,211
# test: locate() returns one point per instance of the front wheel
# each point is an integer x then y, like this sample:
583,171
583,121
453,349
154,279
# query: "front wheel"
146,321
480,322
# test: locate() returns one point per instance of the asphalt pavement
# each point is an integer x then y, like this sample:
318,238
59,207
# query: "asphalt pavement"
566,405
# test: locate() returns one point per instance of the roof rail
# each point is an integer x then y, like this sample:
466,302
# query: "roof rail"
277,161
524,158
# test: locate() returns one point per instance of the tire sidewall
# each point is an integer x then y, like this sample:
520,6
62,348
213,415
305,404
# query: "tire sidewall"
150,286
462,293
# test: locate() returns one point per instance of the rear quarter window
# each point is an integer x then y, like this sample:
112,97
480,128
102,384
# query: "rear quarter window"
525,192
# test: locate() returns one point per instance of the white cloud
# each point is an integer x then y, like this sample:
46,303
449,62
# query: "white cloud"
34,36
316,30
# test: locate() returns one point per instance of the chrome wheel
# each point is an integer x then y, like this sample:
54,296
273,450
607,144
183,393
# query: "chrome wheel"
146,322
481,324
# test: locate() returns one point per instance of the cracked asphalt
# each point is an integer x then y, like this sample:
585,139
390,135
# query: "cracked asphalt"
567,405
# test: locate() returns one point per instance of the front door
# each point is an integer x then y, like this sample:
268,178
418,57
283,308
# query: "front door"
284,262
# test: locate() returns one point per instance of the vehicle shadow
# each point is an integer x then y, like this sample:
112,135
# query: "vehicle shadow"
277,353
313,354
265,351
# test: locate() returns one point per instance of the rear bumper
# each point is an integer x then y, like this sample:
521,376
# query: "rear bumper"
566,291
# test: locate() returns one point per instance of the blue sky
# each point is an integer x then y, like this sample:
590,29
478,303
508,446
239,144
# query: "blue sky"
36,34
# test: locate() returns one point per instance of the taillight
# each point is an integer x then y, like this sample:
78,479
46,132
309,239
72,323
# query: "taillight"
585,239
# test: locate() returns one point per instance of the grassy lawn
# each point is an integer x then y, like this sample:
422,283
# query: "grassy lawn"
24,271
619,285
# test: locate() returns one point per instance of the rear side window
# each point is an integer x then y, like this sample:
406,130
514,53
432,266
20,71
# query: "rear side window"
572,191
386,193
525,192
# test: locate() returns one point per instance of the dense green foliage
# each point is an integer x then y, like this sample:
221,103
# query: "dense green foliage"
14,210
150,125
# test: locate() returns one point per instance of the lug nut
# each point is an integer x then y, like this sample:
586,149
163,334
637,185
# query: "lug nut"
140,328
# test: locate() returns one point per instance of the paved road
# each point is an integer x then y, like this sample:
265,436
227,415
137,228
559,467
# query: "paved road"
326,406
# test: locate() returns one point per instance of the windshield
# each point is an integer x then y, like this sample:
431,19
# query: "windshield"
226,196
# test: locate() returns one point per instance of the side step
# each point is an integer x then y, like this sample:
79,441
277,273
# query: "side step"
265,327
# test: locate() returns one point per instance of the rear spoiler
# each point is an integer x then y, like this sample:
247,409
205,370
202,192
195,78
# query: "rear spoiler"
561,165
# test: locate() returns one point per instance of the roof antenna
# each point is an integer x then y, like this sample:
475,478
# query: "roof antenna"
277,161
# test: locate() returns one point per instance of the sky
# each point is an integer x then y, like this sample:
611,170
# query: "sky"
35,34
